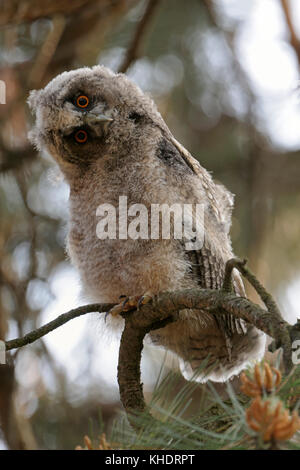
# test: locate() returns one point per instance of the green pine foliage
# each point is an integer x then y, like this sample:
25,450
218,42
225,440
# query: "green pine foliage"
217,424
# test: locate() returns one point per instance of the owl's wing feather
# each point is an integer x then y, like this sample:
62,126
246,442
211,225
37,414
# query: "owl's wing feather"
221,200
209,272
206,266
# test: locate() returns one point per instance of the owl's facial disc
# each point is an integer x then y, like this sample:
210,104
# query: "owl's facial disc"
77,128
80,113
94,116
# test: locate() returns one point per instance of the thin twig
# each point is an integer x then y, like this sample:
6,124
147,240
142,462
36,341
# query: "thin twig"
134,48
265,296
59,321
227,281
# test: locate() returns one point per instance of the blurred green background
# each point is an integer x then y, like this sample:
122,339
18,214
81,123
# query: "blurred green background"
224,74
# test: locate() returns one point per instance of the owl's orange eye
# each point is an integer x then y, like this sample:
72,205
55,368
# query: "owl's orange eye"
81,136
82,101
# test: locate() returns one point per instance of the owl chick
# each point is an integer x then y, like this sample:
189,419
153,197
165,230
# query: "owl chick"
110,141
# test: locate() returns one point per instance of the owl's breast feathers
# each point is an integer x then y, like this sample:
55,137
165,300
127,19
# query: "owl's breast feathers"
111,268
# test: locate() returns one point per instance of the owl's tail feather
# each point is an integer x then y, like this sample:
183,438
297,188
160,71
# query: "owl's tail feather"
203,353
220,366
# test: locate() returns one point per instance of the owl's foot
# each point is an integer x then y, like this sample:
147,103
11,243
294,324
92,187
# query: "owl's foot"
130,303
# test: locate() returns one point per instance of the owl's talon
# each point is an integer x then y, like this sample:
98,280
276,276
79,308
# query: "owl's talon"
145,299
124,303
129,304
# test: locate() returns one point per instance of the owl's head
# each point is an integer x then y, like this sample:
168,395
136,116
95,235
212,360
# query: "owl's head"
90,112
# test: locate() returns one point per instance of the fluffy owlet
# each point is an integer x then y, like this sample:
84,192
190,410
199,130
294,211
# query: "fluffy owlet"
110,141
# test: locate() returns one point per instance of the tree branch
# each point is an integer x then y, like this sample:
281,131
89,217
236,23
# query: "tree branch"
52,325
265,296
165,310
133,49
15,159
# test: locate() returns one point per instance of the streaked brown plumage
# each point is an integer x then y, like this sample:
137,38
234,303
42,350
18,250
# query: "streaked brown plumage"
133,153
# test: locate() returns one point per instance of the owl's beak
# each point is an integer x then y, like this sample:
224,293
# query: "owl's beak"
97,121
94,119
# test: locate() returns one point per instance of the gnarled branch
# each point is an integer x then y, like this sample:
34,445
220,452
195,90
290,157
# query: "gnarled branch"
165,310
